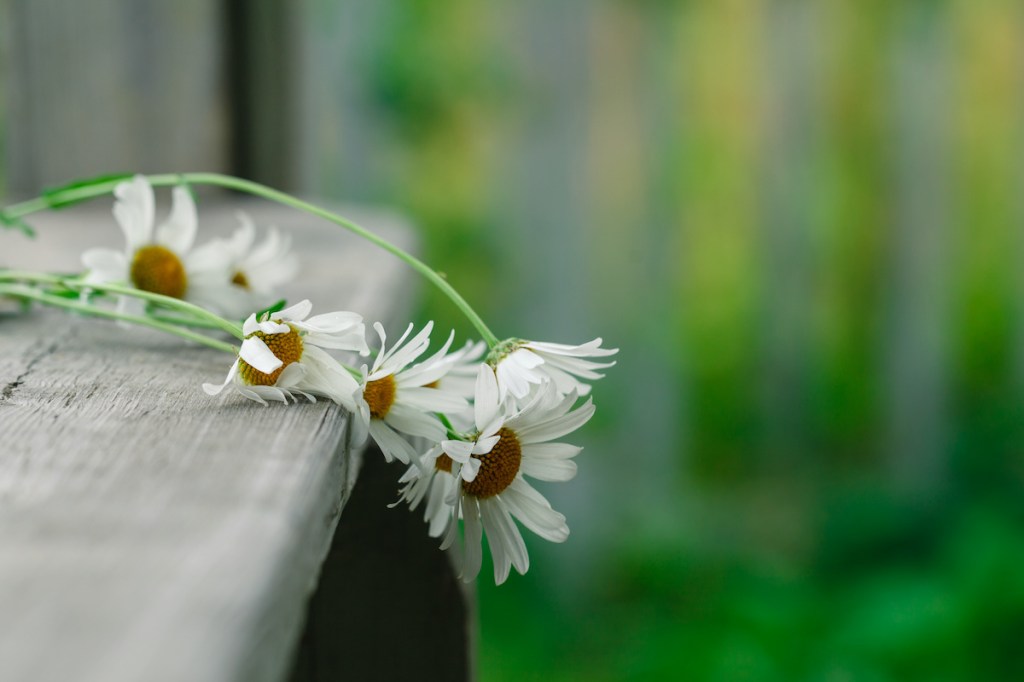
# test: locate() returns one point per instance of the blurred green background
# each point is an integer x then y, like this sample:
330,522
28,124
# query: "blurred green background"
802,223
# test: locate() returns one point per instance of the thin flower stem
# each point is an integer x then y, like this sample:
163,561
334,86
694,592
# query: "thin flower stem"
452,433
23,276
180,321
28,293
104,186
176,304
208,319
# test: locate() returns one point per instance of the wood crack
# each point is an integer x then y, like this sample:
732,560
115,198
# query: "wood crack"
12,386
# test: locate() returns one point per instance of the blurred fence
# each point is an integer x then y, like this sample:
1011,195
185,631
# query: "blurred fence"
800,219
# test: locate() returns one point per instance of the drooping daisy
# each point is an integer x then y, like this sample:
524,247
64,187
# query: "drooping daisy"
495,490
282,355
236,276
397,399
518,364
155,259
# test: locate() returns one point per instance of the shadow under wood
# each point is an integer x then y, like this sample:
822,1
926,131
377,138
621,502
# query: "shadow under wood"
388,605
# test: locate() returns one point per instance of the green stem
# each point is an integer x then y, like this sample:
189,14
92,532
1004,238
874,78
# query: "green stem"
82,192
452,433
28,293
180,321
208,319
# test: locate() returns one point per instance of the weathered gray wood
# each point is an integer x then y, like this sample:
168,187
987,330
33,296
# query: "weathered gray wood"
148,531
113,85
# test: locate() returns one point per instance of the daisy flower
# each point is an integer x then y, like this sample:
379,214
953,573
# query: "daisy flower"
483,481
397,398
237,275
155,259
283,354
518,364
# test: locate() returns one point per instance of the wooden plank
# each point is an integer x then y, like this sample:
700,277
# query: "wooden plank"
148,531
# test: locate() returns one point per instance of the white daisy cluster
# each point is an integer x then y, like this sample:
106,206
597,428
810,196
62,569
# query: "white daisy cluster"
522,401
470,424
525,399
231,277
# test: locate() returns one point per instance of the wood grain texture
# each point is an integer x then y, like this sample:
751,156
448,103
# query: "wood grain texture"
148,531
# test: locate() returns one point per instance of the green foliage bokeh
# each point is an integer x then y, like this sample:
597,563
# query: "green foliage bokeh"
778,493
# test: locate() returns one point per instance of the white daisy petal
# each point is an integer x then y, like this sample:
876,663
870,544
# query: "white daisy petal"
432,399
273,327
557,427
496,540
359,423
257,354
452,534
458,450
291,376
414,422
353,339
273,245
436,513
211,259
589,349
295,313
250,326
433,368
470,469
133,210
179,231
485,444
486,399
244,236
105,265
331,323
507,546
549,469
324,376
551,451
268,393
213,389
406,354
245,392
534,512
392,445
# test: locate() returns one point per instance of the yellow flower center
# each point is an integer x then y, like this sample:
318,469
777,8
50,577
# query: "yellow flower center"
240,280
158,270
286,346
498,468
443,463
380,396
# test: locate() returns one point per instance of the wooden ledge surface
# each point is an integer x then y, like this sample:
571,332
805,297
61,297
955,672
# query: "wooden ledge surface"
148,531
